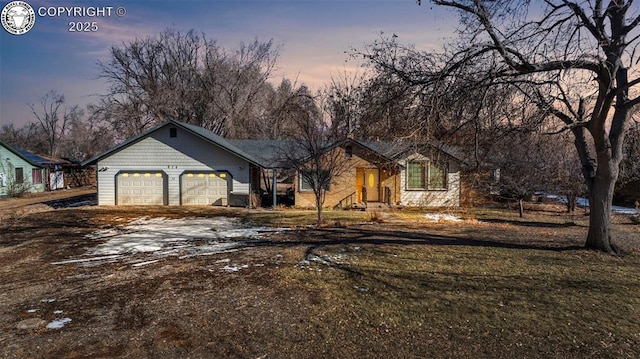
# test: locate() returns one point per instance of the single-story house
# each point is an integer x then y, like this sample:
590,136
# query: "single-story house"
393,174
182,164
22,171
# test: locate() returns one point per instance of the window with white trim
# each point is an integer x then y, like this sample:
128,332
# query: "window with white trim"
426,175
416,178
437,176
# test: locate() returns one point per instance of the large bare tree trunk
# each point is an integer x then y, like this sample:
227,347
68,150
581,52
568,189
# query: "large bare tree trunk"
600,235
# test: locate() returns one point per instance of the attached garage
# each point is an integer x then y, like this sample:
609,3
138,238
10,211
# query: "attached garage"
204,188
141,188
175,164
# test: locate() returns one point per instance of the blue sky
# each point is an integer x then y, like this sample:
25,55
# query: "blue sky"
314,36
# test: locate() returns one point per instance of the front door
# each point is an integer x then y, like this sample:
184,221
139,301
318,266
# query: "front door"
372,183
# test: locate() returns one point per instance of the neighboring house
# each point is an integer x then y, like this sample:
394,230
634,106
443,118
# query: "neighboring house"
398,174
181,164
176,164
22,171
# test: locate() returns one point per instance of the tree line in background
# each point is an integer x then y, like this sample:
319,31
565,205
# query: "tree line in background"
536,104
187,77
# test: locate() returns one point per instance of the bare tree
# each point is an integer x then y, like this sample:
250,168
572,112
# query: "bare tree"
85,139
30,134
519,167
565,175
53,118
313,148
571,60
187,77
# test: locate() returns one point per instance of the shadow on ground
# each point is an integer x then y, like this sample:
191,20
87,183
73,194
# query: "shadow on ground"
90,199
531,224
323,237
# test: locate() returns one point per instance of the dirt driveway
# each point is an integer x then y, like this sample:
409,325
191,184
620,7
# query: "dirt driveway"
44,201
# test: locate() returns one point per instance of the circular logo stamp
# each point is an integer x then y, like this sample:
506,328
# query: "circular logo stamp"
18,17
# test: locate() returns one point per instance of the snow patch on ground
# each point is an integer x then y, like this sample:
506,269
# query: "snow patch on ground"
437,217
327,260
234,268
584,202
163,237
58,323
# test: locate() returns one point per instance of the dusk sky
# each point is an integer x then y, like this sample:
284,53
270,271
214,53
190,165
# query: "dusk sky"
314,36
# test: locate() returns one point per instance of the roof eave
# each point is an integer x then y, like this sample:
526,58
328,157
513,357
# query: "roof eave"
143,135
17,153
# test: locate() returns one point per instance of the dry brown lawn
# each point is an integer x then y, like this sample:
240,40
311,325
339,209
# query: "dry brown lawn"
492,286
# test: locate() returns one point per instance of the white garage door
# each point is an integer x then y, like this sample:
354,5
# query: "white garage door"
205,188
140,188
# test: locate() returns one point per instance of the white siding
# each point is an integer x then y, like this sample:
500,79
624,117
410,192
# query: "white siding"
432,198
173,156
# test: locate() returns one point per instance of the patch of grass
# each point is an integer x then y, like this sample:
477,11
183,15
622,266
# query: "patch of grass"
376,216
412,301
301,218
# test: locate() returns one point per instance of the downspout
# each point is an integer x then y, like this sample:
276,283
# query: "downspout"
250,199
275,188
395,188
47,173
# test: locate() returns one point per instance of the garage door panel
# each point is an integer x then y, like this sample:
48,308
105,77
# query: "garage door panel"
140,189
204,189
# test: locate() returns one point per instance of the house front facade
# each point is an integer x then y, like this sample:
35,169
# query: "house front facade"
25,172
387,174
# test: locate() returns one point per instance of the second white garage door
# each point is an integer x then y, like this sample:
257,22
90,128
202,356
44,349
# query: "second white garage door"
140,188
206,188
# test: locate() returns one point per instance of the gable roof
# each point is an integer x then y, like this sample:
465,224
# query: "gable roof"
397,150
33,159
274,153
201,132
269,153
